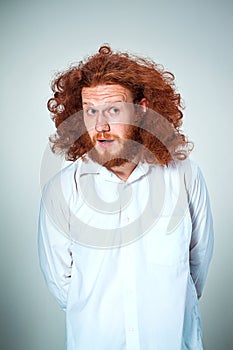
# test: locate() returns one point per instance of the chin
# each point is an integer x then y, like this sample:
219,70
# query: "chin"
113,159
105,158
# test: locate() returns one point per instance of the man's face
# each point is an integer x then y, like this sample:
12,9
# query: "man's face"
108,116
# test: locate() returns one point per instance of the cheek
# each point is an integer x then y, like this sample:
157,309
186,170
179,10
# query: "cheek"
117,129
124,130
90,126
88,123
91,133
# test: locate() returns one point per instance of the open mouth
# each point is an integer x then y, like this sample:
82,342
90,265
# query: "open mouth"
105,141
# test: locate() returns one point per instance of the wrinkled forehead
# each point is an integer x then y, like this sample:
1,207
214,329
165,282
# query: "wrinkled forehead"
102,94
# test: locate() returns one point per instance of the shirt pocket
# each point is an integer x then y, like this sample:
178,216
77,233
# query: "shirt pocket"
167,248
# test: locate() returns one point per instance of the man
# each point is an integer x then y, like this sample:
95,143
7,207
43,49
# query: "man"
125,231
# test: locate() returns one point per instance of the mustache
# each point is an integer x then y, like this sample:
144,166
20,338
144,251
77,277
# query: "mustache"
105,136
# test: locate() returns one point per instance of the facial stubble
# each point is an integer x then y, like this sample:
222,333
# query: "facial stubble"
130,148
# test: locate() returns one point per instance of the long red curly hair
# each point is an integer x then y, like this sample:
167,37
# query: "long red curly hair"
145,79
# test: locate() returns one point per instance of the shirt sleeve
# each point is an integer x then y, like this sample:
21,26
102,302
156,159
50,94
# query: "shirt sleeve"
201,245
54,244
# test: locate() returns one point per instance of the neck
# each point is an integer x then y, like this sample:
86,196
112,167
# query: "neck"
123,171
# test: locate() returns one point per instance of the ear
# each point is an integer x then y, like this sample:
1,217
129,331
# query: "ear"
143,103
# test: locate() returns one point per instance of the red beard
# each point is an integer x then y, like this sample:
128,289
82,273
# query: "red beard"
131,145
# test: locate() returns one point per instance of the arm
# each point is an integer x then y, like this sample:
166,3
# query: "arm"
201,245
54,244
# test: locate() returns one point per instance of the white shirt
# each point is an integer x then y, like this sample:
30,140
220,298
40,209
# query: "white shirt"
127,261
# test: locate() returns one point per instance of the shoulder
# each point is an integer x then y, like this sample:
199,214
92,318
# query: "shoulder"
187,169
184,166
63,181
185,173
193,179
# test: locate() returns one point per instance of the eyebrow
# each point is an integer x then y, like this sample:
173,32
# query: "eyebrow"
107,103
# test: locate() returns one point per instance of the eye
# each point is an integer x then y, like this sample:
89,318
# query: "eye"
114,110
91,111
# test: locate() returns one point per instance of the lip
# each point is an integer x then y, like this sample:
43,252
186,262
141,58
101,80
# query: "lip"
105,142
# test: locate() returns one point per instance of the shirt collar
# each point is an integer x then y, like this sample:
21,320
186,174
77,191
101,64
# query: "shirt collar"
88,167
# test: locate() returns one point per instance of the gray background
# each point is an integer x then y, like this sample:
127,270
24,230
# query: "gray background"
191,39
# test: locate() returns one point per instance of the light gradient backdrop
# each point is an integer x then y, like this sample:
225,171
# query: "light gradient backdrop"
193,39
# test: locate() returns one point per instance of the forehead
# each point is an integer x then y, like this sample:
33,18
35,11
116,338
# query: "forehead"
101,94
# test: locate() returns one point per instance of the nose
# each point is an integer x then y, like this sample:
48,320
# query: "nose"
101,123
